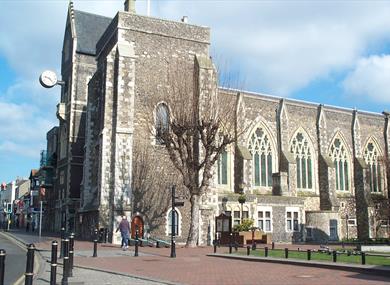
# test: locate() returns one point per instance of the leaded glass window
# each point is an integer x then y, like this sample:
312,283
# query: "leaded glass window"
162,122
302,151
339,155
261,150
223,168
371,156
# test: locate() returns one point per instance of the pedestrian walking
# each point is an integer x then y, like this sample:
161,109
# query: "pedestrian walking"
124,228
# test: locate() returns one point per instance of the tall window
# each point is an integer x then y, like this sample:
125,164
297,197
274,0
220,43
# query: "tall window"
339,155
223,168
261,150
176,222
371,154
162,122
300,147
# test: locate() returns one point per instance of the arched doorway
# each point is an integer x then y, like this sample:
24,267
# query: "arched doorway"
137,223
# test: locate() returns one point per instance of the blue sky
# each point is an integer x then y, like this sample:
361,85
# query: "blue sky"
330,52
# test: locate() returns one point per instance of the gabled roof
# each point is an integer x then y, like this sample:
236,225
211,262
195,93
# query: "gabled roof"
89,29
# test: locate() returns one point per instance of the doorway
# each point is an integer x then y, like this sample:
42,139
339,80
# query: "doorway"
137,223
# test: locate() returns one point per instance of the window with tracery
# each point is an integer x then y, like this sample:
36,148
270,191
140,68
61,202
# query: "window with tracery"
302,151
371,156
162,122
261,150
339,155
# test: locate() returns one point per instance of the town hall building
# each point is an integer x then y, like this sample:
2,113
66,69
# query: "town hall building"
309,172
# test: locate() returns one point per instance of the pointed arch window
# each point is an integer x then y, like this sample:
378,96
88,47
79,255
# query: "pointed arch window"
302,151
371,156
339,155
162,122
170,222
261,150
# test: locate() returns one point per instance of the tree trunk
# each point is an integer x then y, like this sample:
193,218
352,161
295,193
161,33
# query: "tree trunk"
192,240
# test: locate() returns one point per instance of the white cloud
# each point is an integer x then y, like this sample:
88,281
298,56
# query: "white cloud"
370,79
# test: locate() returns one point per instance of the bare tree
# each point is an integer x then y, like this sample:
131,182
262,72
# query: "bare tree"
200,126
150,185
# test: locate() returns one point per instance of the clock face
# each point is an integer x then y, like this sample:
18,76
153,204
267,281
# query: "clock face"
48,79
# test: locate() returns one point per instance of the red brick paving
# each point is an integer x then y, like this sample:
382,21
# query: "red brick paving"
192,266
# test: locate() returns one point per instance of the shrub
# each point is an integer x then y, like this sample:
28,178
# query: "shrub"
245,226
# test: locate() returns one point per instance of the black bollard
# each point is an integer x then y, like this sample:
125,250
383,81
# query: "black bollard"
308,254
65,272
53,263
248,250
29,275
273,246
286,252
363,258
215,246
334,256
94,248
71,254
266,251
157,244
254,245
2,265
136,243
62,242
230,242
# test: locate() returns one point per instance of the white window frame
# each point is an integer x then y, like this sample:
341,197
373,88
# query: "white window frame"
219,170
265,209
292,210
353,224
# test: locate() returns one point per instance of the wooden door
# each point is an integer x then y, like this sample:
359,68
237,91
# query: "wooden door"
137,223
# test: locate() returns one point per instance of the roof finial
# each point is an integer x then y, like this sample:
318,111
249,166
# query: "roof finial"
130,6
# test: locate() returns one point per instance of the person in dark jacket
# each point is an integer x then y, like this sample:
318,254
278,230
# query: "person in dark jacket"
124,228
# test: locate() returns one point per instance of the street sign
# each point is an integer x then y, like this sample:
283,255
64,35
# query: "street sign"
179,204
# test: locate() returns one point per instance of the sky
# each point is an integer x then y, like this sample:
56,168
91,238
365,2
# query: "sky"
329,52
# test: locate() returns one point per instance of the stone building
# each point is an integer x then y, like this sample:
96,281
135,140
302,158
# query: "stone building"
309,172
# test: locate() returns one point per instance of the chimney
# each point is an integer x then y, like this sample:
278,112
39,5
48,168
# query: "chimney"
184,19
130,6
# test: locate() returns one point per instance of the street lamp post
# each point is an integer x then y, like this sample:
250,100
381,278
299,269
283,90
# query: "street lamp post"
346,224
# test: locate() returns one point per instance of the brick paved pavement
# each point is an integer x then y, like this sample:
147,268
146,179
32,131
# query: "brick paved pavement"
192,266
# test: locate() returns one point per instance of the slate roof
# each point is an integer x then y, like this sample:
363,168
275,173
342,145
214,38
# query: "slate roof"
89,29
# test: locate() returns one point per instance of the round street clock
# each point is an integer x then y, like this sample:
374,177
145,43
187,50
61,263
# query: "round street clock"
48,79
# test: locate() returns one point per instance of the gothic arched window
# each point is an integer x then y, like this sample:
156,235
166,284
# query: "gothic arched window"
302,151
162,122
176,222
371,156
339,155
261,150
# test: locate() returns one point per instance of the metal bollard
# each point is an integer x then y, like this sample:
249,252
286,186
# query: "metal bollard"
248,250
2,265
53,263
215,247
363,258
254,245
136,243
29,275
286,252
94,248
334,256
266,251
62,242
273,246
157,244
71,254
308,254
65,272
